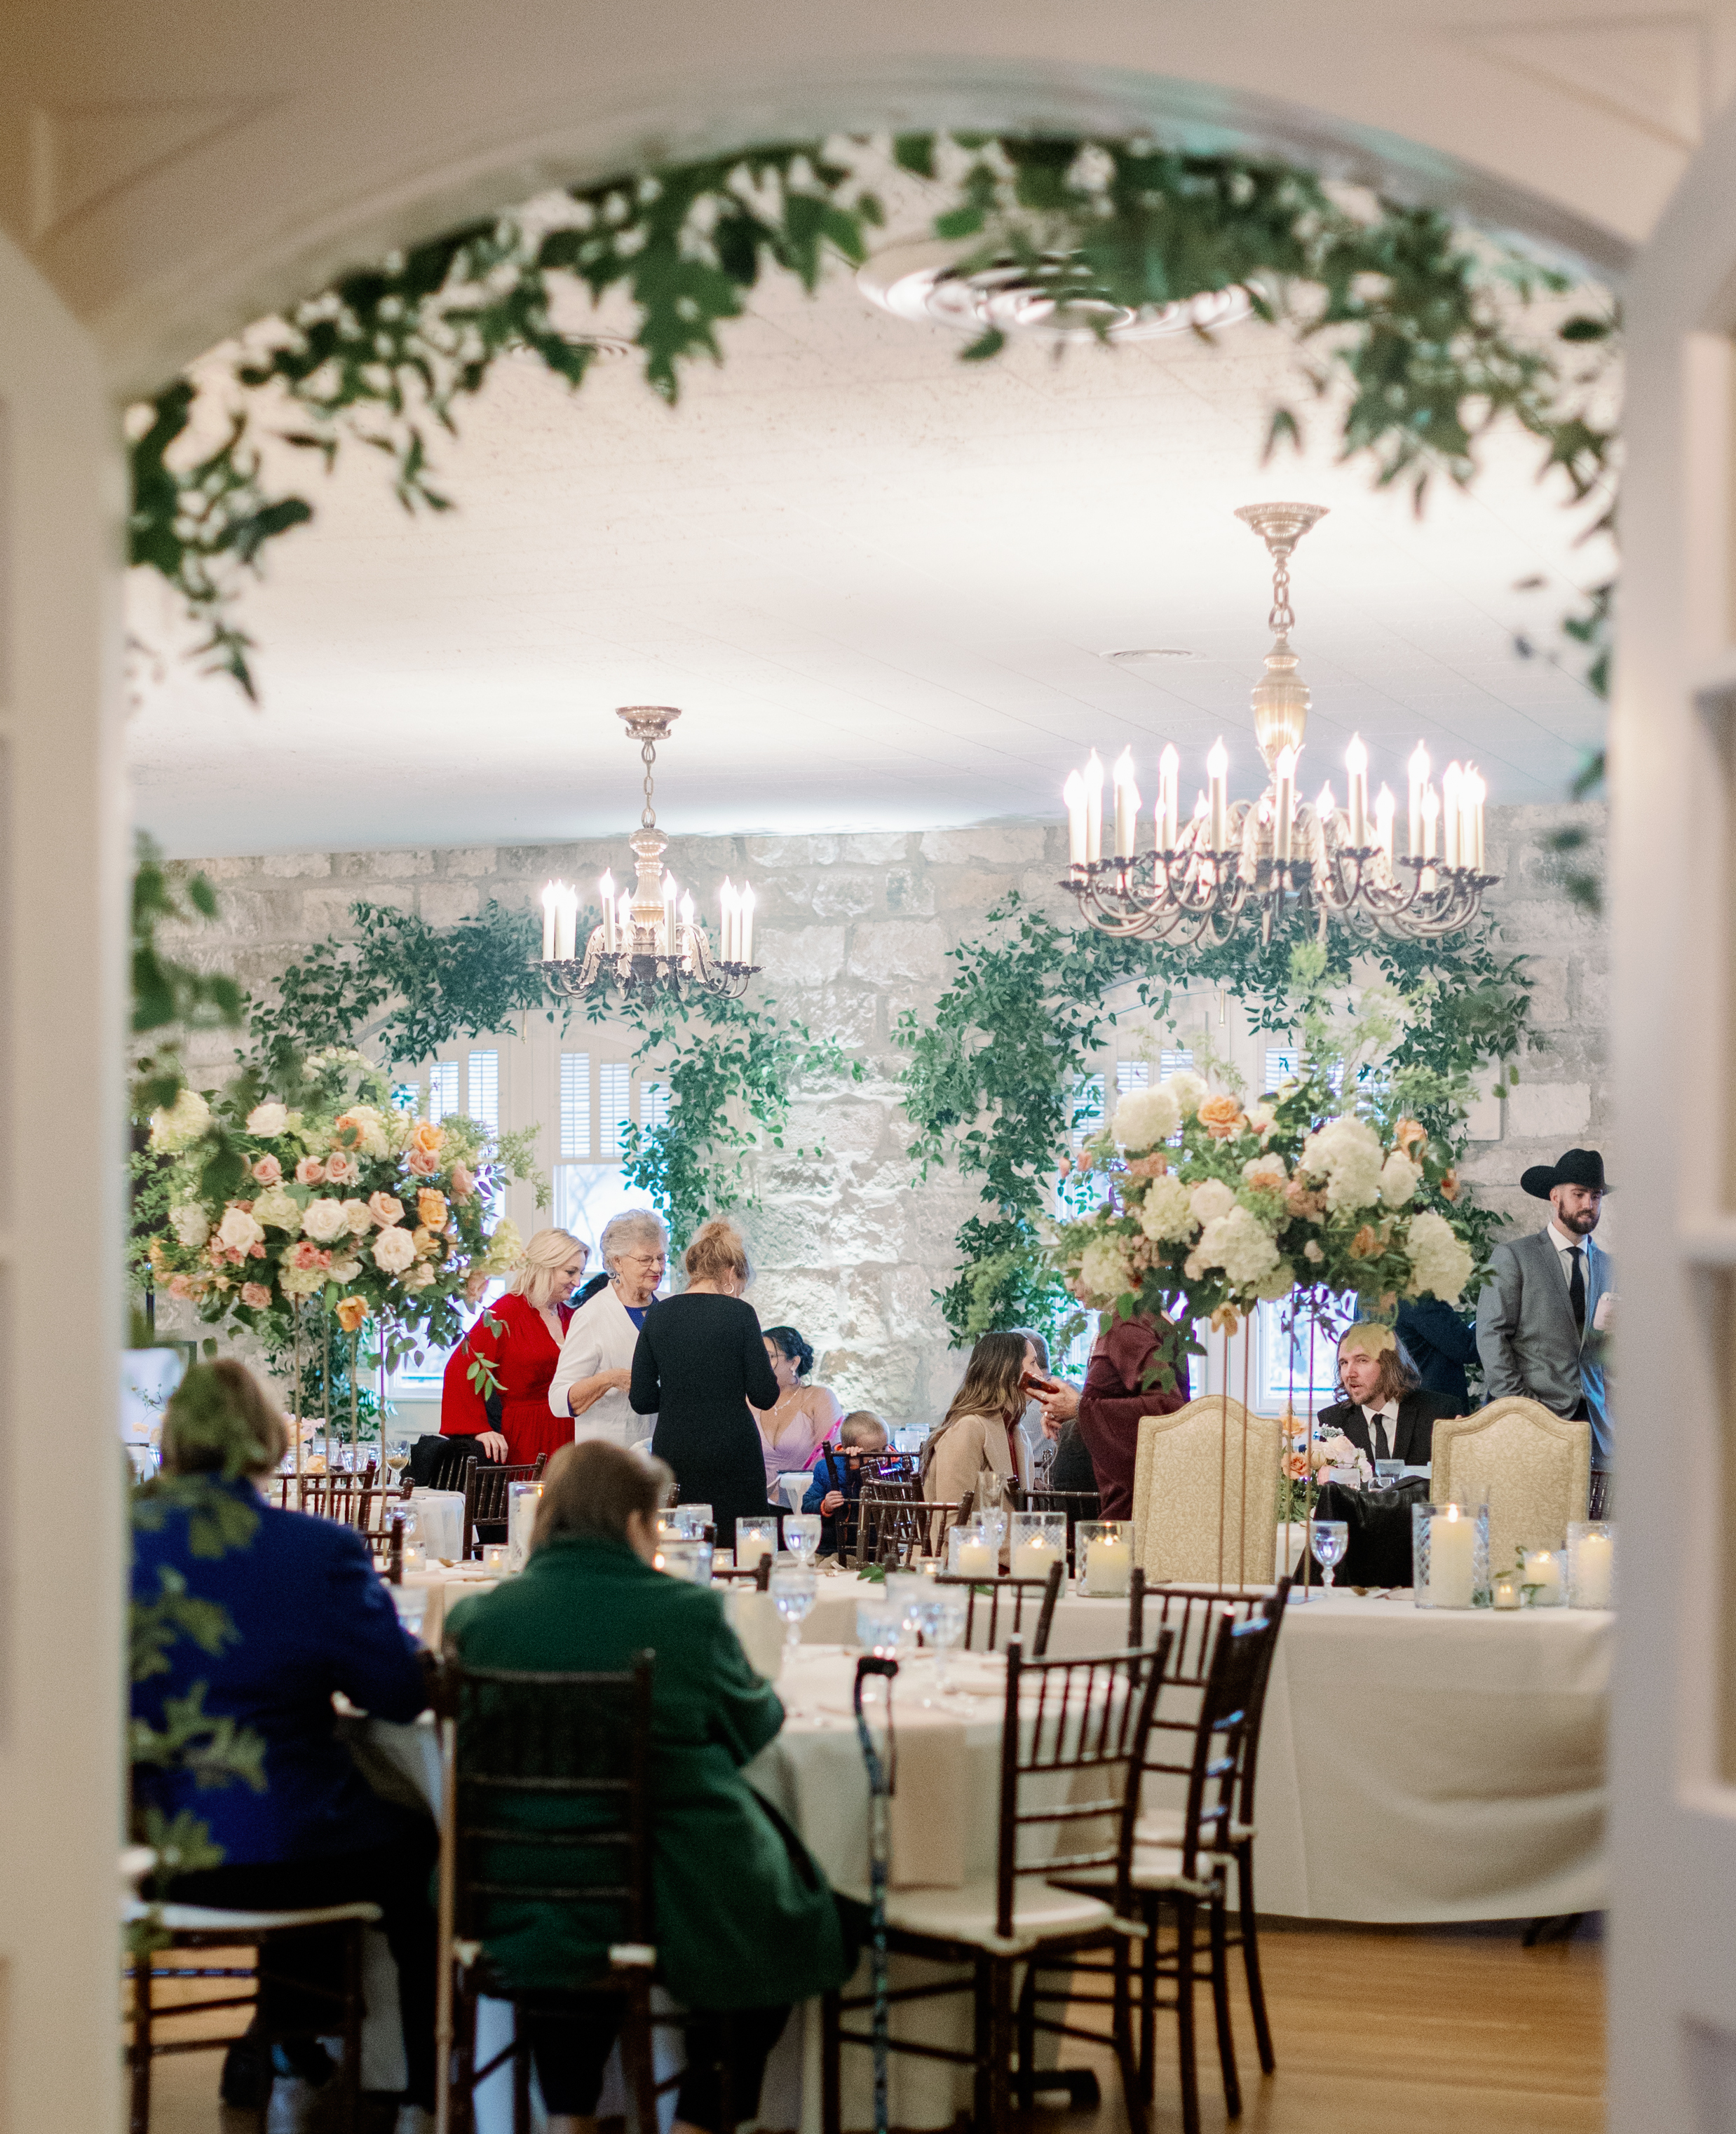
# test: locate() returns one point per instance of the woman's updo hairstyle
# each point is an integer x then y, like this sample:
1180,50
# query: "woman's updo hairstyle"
221,1421
718,1250
789,1343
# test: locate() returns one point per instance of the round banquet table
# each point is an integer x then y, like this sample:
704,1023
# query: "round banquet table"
1417,1764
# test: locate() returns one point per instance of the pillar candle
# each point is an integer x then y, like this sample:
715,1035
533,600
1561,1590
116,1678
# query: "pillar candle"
1593,1557
1109,1567
1073,793
1543,1569
605,890
749,1551
745,944
1451,1542
1094,809
976,1558
1127,805
551,897
1168,777
1418,768
1031,1558
1217,772
1355,764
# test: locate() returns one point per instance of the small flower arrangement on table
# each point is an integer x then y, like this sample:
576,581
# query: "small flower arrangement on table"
328,1196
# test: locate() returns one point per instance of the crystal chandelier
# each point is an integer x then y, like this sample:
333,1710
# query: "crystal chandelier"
650,943
1415,876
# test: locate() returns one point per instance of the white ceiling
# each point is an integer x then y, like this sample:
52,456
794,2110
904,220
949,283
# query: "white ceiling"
879,582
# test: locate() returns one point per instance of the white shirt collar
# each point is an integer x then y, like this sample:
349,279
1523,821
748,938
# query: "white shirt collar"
1390,1409
1564,1242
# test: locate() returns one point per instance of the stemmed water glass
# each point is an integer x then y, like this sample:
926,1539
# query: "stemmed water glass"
793,1590
1330,1539
801,1536
939,1615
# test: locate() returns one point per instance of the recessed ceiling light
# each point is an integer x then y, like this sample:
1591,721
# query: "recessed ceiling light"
1153,652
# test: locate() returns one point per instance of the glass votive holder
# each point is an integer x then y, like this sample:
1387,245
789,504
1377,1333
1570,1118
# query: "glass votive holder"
1039,1540
1591,1550
411,1603
690,1560
690,1520
1449,1554
755,1539
415,1556
879,1626
1504,1590
1103,1557
1544,1580
973,1552
493,1557
523,1499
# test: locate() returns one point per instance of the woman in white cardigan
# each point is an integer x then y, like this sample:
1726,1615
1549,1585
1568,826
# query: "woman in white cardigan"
590,1382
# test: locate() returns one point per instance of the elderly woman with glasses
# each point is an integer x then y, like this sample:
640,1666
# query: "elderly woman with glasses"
589,1387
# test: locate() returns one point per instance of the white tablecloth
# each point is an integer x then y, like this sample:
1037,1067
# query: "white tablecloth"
1417,1764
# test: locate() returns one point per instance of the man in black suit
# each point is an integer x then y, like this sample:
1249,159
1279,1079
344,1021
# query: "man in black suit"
1387,1415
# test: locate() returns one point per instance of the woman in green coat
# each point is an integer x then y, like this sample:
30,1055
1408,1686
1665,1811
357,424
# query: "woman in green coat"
744,1921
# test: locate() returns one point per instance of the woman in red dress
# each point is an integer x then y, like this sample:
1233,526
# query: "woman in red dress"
512,1351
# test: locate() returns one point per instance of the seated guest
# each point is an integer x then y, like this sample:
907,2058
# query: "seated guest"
802,1419
839,1474
744,1922
511,1352
1072,1468
1438,1343
1036,1364
1386,1413
978,1446
310,1615
1116,1397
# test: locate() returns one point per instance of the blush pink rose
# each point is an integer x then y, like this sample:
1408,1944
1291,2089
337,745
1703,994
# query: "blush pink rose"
423,1163
254,1294
267,1170
463,1184
306,1254
181,1285
310,1172
341,1170
385,1210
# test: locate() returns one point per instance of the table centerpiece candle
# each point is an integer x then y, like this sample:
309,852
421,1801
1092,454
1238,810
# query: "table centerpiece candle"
1104,1554
755,1539
1449,1554
1590,1564
1545,1573
1039,1540
975,1555
1504,1592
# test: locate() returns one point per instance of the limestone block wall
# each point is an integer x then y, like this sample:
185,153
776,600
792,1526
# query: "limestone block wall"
853,929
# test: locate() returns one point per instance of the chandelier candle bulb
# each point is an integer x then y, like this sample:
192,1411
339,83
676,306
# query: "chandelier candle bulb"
1384,808
731,905
1476,792
1217,771
624,923
1168,776
687,928
605,890
1284,803
1093,810
744,946
551,898
1419,769
1073,793
1325,807
1431,820
1356,765
566,923
1127,805
1452,781
670,916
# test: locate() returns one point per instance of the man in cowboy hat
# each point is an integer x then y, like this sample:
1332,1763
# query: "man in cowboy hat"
1547,1294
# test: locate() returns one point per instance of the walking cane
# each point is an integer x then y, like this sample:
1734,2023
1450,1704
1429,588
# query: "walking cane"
446,1923
881,1776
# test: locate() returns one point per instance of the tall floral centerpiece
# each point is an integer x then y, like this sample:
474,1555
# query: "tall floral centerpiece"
326,1200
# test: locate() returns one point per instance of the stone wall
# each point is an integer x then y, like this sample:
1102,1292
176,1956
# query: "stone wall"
854,929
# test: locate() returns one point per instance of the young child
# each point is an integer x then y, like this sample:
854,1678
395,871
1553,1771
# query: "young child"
838,1474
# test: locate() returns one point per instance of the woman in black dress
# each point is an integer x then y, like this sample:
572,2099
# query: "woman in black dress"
701,1360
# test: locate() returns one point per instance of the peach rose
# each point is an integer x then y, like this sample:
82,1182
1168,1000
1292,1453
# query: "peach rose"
1300,1201
256,1294
463,1184
1154,1165
1450,1187
1365,1243
310,1172
341,1170
422,1162
351,1311
267,1170
431,1209
182,1285
1224,1320
1221,1116
1407,1133
426,1135
385,1210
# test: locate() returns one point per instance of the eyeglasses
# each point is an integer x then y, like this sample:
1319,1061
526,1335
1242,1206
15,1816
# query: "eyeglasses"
642,1259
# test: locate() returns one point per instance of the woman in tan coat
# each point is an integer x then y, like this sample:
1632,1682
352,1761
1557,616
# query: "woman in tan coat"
980,1437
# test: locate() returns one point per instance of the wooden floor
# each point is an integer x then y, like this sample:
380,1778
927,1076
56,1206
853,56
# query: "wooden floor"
1379,2030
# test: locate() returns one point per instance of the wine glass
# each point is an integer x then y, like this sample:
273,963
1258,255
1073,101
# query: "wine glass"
397,1457
793,1590
801,1536
1331,1537
939,1615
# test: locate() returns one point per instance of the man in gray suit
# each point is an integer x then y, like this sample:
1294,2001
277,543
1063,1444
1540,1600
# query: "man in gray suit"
1547,1298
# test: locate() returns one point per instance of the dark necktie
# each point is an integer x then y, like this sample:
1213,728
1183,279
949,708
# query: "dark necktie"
1377,1434
1576,1287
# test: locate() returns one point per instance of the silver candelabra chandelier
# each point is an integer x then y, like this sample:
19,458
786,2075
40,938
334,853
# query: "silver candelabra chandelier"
649,942
1416,876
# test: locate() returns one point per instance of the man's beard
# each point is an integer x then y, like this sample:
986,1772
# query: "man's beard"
1583,1224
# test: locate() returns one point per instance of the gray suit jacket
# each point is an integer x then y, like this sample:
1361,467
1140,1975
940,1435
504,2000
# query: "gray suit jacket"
1527,1337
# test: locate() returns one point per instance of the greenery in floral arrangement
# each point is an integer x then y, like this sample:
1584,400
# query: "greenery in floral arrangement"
1416,334
993,1074
323,1198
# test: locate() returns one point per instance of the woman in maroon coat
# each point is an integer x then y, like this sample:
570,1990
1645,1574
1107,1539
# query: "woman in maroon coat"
1116,1398
512,1351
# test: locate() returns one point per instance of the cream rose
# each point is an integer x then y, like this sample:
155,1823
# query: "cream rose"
323,1220
268,1119
238,1230
358,1218
395,1250
385,1210
344,1270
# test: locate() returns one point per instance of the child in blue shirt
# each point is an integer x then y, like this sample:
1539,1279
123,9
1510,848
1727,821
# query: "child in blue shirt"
838,1474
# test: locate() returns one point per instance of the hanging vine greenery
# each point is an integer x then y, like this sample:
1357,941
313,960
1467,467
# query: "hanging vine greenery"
992,1077
1417,333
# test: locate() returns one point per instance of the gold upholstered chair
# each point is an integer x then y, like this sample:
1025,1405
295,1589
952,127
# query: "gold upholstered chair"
1534,1469
1206,1494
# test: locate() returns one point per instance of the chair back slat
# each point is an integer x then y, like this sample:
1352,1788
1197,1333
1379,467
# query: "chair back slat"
486,1494
901,1528
342,1495
1073,1743
999,1605
447,1470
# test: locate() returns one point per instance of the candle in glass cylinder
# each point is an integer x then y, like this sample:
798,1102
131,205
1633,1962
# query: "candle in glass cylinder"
1032,1557
1543,1570
1108,1566
1451,1542
1593,1568
1505,1592
976,1557
751,1547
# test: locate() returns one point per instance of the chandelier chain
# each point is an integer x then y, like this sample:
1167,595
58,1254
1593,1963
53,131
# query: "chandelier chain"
1283,618
648,756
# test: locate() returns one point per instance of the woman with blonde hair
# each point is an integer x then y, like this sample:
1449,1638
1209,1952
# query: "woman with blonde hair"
980,1437
701,1367
509,1355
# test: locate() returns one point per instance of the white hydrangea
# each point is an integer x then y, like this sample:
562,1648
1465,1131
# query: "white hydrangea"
1281,1280
1211,1200
300,1282
1166,1214
1104,1274
1144,1118
323,1220
1239,1243
182,1124
1440,1263
395,1250
1399,1178
1346,1153
1189,1092
190,1225
278,1208
268,1119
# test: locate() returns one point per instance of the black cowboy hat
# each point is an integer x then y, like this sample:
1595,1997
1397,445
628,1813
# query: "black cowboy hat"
1579,1167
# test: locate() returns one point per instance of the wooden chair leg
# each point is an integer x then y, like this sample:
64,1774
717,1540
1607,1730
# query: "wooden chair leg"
1185,1910
1133,2076
1149,2001
1000,2045
1220,2006
1250,1955
462,2073
1028,2040
831,2075
638,2059
355,2009
139,2051
521,2076
982,2101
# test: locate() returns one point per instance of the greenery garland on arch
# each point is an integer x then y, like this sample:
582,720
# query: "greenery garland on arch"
992,1073
1416,332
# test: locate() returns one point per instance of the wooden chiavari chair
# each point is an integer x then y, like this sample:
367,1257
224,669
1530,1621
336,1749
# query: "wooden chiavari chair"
998,1605
487,1495
907,1527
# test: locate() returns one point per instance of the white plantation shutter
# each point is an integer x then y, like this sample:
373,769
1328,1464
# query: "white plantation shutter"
614,1083
443,1088
484,1103
575,1104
